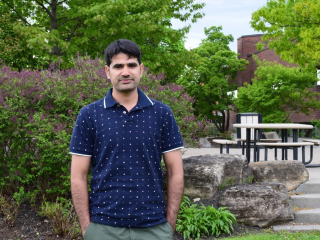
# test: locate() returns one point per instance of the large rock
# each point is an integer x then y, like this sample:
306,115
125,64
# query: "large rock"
260,204
290,173
204,174
207,142
270,135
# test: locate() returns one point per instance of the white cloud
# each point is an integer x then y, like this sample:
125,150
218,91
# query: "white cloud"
234,17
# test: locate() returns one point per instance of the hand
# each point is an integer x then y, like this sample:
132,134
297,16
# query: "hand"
84,228
172,223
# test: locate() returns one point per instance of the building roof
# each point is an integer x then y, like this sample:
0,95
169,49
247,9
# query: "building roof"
252,35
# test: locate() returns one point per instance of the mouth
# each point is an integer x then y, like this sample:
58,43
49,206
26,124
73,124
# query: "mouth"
127,80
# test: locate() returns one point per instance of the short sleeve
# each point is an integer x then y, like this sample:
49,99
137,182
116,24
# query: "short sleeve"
82,141
171,137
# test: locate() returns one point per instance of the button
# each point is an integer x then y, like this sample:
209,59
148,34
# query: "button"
124,112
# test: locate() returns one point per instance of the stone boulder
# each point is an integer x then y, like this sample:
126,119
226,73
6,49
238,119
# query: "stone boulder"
260,204
204,174
290,173
207,142
270,135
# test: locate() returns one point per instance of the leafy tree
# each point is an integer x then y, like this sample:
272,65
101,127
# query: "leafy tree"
177,57
292,28
64,27
13,44
278,91
209,79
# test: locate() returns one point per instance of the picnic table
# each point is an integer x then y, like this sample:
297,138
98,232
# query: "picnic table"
284,127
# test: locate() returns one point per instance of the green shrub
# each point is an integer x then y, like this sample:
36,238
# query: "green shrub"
37,115
316,129
195,221
181,105
38,110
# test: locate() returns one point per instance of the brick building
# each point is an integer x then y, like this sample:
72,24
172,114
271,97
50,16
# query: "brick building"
247,47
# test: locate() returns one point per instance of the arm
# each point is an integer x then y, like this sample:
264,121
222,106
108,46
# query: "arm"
79,189
173,161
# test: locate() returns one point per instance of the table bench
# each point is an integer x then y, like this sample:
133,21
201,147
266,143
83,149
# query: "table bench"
315,141
223,142
269,140
286,145
256,128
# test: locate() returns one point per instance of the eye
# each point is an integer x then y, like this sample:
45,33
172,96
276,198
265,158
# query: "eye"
117,66
132,65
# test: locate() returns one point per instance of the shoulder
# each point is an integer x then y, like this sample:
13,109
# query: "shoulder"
162,109
97,105
92,109
160,105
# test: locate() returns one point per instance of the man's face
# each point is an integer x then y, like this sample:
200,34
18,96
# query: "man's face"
124,73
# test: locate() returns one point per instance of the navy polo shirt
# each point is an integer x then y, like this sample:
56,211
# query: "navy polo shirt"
125,150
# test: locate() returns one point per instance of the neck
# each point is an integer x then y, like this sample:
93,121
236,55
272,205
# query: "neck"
127,99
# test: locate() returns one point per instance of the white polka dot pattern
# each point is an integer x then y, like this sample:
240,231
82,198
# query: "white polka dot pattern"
126,149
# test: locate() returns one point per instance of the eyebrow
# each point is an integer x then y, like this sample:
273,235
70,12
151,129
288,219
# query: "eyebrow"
128,64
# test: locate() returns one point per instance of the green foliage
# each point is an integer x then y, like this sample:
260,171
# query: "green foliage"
9,208
250,179
180,103
64,28
38,111
209,77
195,221
278,91
292,29
270,235
316,129
62,217
14,51
228,181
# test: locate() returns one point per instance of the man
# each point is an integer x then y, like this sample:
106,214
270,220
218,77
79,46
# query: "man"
123,137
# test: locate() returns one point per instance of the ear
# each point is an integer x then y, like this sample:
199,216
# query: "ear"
106,69
141,69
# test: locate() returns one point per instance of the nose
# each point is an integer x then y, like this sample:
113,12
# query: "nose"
125,71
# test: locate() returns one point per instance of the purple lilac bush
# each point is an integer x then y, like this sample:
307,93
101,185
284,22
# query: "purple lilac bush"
38,110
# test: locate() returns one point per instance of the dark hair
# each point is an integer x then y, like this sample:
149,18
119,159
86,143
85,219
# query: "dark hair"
122,46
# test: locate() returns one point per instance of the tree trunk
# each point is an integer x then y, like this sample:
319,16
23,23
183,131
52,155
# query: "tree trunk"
55,50
228,120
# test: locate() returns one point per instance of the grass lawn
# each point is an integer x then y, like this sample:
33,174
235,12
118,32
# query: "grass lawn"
308,235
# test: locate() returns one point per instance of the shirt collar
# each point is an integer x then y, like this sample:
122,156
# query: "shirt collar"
143,100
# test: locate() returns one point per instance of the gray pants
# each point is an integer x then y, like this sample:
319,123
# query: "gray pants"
96,231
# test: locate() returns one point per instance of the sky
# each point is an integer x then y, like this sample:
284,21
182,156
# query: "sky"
233,15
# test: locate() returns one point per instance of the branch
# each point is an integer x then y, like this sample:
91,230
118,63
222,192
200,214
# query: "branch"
250,54
43,7
13,9
308,20
68,20
72,34
283,26
59,3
